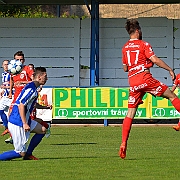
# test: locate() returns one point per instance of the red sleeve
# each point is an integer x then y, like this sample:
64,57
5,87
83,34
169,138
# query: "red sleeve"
29,72
148,50
124,61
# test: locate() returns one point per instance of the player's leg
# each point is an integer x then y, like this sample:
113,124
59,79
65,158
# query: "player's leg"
5,122
7,103
162,90
8,155
3,115
177,127
168,94
126,128
20,138
46,125
36,139
135,98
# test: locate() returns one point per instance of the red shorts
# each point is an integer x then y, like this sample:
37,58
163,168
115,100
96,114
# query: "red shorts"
33,114
142,83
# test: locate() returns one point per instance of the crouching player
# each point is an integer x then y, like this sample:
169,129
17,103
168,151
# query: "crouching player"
20,124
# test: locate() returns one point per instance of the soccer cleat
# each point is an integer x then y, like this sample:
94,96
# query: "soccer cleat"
122,150
30,157
9,140
177,128
6,131
48,131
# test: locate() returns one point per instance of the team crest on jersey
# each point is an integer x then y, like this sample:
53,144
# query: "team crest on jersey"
22,75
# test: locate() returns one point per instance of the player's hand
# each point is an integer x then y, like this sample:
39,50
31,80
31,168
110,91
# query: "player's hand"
10,96
50,106
172,74
26,127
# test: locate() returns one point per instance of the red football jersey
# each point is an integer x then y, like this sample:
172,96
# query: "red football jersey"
136,54
25,75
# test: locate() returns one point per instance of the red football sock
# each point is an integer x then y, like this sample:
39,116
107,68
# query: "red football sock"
126,127
45,124
176,104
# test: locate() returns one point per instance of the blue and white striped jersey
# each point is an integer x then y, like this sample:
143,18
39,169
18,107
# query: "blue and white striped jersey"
28,97
6,82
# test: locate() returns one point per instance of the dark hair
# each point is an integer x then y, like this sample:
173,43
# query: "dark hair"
31,65
19,53
39,70
5,60
132,25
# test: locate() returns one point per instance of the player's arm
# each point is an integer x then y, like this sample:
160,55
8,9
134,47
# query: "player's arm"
21,82
173,88
163,65
125,67
21,108
1,93
11,87
5,87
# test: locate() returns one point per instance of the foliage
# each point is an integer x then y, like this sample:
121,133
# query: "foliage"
65,15
91,153
23,11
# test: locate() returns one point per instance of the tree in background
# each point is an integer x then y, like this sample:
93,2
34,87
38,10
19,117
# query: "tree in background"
37,11
23,11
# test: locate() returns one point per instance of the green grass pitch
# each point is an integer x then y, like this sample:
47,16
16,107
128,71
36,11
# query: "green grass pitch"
91,153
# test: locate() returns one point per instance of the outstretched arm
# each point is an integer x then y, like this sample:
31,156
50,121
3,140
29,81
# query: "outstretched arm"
173,88
163,65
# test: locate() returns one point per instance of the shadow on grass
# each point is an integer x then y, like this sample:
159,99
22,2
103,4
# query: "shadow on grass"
138,159
80,157
67,144
60,134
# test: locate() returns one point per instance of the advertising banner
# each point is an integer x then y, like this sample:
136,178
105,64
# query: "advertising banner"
44,99
106,103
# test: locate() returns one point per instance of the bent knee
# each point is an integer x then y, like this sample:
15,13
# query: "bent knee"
43,130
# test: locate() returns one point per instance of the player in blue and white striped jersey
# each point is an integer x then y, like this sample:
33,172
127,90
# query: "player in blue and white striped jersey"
20,125
5,102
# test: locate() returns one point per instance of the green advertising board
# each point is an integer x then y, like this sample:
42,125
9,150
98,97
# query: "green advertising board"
106,103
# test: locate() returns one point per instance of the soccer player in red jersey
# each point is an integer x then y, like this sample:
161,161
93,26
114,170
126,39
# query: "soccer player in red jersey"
175,84
137,58
20,80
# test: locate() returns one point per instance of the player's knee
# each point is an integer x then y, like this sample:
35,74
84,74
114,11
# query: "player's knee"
43,130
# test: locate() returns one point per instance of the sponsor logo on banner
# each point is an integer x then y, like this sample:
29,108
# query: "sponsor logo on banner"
107,103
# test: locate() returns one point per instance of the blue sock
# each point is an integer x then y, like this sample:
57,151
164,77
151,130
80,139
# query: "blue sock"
36,139
9,155
4,118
